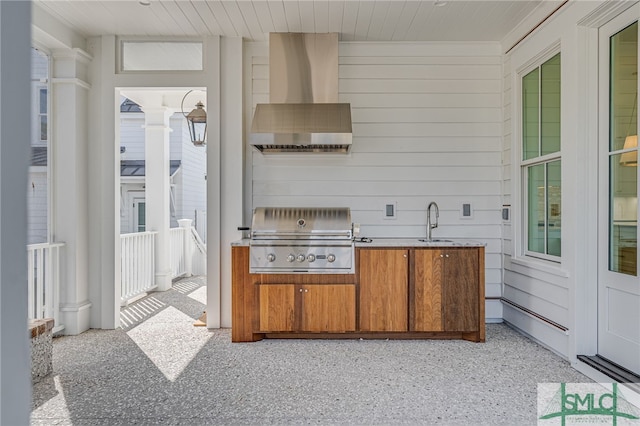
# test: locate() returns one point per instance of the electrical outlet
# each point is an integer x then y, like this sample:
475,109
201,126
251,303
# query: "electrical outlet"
466,212
390,210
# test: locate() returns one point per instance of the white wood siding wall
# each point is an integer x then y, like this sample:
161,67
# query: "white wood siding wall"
427,126
191,184
37,205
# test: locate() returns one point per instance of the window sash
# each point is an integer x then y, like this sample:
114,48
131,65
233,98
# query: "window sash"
540,162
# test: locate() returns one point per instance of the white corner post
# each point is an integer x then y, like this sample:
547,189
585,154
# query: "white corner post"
188,249
15,69
70,176
157,187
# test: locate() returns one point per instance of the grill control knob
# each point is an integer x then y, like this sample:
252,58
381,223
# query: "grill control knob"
291,258
331,258
301,257
271,257
311,257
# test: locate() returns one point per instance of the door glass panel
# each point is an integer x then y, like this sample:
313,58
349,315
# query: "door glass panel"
141,217
530,114
553,208
623,171
536,208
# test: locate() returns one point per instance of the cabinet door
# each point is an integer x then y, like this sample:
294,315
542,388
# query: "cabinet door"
426,309
384,288
277,307
328,308
460,290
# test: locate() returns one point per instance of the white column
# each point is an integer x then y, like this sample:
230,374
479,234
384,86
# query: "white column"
69,178
104,180
15,69
157,187
188,249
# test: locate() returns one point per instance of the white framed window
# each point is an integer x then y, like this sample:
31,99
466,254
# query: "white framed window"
43,108
541,162
160,55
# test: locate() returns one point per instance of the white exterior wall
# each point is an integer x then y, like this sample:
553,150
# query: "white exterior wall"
427,126
191,185
37,205
564,293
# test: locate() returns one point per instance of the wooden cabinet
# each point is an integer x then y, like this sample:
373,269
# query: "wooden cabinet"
426,287
407,292
384,289
312,308
445,290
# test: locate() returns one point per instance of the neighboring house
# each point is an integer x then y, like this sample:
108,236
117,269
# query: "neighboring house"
187,167
187,172
37,191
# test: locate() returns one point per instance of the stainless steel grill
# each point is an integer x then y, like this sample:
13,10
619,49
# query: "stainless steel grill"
301,240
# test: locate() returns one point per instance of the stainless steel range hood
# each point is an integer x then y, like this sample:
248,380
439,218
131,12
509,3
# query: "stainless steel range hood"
304,114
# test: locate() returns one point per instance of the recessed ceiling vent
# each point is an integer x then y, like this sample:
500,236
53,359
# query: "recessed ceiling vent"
303,114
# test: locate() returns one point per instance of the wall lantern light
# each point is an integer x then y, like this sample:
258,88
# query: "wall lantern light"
196,121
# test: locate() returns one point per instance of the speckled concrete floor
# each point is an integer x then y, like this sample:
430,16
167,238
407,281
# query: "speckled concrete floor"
160,369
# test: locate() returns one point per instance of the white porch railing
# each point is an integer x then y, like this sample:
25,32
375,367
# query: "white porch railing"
187,251
187,255
138,267
199,254
43,275
177,252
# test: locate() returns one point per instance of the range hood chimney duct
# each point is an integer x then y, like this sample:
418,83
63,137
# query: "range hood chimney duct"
303,114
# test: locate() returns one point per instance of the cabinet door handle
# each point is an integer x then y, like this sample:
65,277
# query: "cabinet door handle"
442,255
446,255
404,255
300,290
306,290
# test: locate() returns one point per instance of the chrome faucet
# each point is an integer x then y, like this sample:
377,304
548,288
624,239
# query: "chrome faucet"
430,225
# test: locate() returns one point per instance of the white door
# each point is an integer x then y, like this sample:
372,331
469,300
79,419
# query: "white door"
618,282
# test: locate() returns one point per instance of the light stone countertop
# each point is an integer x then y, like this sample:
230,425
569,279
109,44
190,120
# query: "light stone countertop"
399,242
415,242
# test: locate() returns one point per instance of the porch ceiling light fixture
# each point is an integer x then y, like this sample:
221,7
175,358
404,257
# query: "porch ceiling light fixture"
631,141
196,121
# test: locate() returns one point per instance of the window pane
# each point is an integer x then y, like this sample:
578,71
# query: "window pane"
530,114
536,208
43,127
624,80
550,105
623,170
162,56
623,213
43,101
554,210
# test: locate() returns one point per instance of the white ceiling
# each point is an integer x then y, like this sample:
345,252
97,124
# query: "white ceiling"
397,20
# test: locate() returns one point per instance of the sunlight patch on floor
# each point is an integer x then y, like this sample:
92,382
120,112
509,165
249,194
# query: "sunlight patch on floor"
180,341
59,402
139,311
186,285
199,295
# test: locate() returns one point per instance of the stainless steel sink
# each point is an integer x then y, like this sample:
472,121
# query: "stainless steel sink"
434,240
